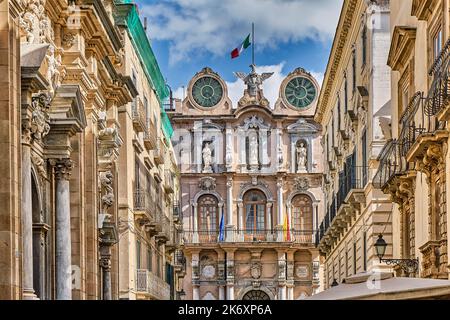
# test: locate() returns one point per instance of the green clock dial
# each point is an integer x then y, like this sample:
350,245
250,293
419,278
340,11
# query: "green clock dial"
300,92
207,92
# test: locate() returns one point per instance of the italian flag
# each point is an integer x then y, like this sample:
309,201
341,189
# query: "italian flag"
244,45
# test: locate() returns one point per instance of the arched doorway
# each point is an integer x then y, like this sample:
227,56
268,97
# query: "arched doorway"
208,218
302,216
256,295
255,223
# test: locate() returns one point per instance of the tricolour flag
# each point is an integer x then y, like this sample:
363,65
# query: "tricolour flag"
244,45
286,228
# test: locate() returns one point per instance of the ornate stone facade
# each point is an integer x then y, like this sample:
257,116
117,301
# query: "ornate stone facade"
247,211
65,132
414,164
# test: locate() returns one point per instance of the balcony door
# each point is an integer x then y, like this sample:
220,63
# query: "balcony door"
302,216
208,218
255,204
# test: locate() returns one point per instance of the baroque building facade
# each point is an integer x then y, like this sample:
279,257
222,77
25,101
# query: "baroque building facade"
354,111
414,165
69,100
251,188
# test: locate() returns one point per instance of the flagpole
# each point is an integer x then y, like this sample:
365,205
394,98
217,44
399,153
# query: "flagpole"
253,43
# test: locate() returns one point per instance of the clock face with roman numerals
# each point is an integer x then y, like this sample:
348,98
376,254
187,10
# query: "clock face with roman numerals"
300,92
207,92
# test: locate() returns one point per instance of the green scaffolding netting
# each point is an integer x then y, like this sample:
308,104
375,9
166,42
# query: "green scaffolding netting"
128,16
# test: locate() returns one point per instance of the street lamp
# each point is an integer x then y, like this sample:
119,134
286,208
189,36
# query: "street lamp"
408,265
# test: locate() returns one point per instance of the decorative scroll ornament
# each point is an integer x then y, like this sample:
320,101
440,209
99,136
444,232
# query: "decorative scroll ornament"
40,120
301,184
207,184
34,21
255,270
40,165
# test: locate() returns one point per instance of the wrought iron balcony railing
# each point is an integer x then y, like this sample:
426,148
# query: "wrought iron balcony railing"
144,203
149,284
439,94
150,136
138,115
305,237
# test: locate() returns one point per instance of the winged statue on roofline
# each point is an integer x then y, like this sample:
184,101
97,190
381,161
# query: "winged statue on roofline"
253,80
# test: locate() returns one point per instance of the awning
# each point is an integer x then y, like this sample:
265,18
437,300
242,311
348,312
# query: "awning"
384,286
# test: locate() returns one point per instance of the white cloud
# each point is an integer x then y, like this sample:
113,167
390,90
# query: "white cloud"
198,27
271,86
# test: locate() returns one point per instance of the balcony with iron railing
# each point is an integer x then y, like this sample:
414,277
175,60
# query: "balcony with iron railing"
163,236
148,285
168,181
138,115
159,152
144,211
440,87
300,237
150,135
349,198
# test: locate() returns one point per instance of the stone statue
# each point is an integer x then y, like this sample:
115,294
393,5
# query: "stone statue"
253,150
253,80
207,158
52,72
302,154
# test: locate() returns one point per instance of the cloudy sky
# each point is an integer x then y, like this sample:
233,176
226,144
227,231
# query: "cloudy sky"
188,35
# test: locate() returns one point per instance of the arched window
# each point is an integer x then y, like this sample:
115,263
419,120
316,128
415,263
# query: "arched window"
255,213
208,217
302,216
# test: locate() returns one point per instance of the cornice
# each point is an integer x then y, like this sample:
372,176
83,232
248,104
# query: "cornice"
348,15
422,9
402,44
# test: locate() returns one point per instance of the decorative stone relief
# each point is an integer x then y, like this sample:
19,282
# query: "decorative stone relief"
40,121
255,270
34,21
40,165
69,39
302,271
106,190
207,184
209,272
301,184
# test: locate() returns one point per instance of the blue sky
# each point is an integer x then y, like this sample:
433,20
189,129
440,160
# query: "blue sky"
187,35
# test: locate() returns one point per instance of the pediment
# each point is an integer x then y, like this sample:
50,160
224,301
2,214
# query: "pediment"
303,126
403,40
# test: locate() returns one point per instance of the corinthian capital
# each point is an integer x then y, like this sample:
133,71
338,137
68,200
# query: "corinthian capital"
63,168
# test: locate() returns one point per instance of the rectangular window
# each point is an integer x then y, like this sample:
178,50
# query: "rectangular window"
364,158
332,129
138,254
346,95
147,111
364,46
158,264
437,44
339,111
149,259
365,251
354,71
137,182
354,257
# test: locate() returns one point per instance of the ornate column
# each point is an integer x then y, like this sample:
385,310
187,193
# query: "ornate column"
63,268
195,224
290,275
230,227
27,216
195,276
269,206
289,215
280,210
230,275
221,274
241,220
35,126
281,275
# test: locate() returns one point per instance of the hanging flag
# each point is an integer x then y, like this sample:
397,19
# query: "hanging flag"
286,228
244,45
221,230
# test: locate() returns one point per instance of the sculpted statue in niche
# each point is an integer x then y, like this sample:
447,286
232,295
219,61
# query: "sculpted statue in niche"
207,158
302,158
